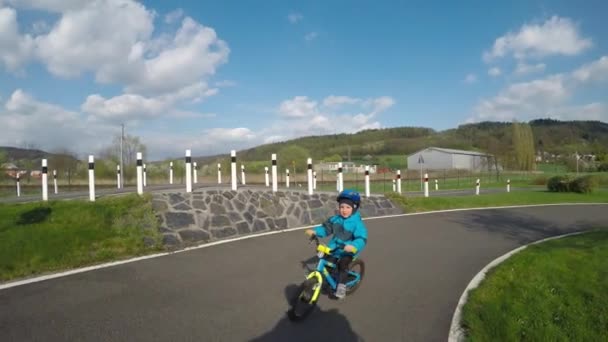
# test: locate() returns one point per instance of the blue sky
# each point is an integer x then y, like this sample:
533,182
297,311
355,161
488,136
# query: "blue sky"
215,76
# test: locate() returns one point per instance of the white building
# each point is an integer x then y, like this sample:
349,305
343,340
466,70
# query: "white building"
436,158
347,167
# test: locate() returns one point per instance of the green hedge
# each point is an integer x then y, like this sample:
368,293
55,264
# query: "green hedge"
584,184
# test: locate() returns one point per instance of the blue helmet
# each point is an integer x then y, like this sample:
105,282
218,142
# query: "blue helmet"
348,195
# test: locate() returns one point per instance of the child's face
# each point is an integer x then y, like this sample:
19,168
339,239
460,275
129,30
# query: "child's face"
345,210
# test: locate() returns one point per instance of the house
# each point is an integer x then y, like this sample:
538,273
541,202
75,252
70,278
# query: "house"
347,167
437,158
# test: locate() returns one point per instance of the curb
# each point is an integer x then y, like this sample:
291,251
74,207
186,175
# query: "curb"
457,333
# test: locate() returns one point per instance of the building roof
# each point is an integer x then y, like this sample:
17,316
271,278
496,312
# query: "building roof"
451,151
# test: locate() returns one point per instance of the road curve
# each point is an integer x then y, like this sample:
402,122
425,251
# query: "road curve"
417,268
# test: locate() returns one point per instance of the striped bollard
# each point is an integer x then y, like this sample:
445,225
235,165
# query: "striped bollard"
394,185
243,174
188,171
18,185
195,174
45,194
436,185
508,185
477,187
118,176
399,181
366,180
266,176
219,173
140,181
287,178
426,185
340,178
171,173
145,176
274,172
314,180
309,173
55,180
91,178
233,168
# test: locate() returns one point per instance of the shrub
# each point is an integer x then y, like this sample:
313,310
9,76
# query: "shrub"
584,184
559,184
603,167
539,180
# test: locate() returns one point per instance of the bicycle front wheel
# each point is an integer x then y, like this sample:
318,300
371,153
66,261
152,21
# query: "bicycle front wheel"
304,300
356,271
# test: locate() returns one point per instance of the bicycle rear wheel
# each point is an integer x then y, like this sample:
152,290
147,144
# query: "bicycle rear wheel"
302,303
356,269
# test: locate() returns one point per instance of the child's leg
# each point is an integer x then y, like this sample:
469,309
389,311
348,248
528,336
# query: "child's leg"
343,268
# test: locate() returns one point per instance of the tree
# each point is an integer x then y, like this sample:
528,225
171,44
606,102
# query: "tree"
292,156
131,145
65,162
523,146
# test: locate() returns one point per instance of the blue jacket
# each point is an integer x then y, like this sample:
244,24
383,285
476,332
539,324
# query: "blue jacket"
349,231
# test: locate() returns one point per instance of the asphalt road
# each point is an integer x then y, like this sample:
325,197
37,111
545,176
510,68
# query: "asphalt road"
416,269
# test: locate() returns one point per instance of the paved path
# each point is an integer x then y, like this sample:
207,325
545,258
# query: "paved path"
417,268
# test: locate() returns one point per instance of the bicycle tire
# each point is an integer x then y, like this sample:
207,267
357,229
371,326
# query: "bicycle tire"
361,264
305,289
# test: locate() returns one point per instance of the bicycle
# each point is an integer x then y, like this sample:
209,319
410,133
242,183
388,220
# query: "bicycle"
307,296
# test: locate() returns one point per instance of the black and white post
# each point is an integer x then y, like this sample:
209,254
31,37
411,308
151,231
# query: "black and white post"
55,180
399,181
266,175
508,185
171,173
18,184
188,171
436,185
309,173
314,180
45,194
219,173
287,178
394,185
366,180
195,173
118,176
243,174
140,180
145,176
91,178
340,178
477,187
274,172
233,169
426,185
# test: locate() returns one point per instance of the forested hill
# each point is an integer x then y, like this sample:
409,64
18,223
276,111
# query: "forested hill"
553,136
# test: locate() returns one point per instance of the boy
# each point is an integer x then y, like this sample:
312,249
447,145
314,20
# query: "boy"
349,232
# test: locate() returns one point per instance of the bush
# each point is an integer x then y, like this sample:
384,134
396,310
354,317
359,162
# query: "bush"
584,184
603,167
539,180
559,184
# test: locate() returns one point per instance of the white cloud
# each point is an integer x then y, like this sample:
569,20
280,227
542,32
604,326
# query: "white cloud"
547,97
311,36
556,36
470,78
294,17
57,6
336,101
524,69
225,83
595,71
298,107
174,16
25,119
15,49
494,72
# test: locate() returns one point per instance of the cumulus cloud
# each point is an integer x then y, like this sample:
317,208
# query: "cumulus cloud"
494,72
546,97
294,17
174,16
524,69
298,107
556,36
15,49
337,101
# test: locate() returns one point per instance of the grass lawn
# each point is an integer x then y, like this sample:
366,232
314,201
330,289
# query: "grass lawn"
58,235
420,204
553,291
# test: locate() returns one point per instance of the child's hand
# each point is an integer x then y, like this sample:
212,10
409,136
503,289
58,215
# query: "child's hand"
350,248
310,232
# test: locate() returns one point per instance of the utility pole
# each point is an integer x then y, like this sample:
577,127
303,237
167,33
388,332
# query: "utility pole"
122,169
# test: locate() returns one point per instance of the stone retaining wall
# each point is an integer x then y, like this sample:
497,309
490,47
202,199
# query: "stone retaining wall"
206,215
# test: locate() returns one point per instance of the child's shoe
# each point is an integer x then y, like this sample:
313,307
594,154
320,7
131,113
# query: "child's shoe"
341,291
